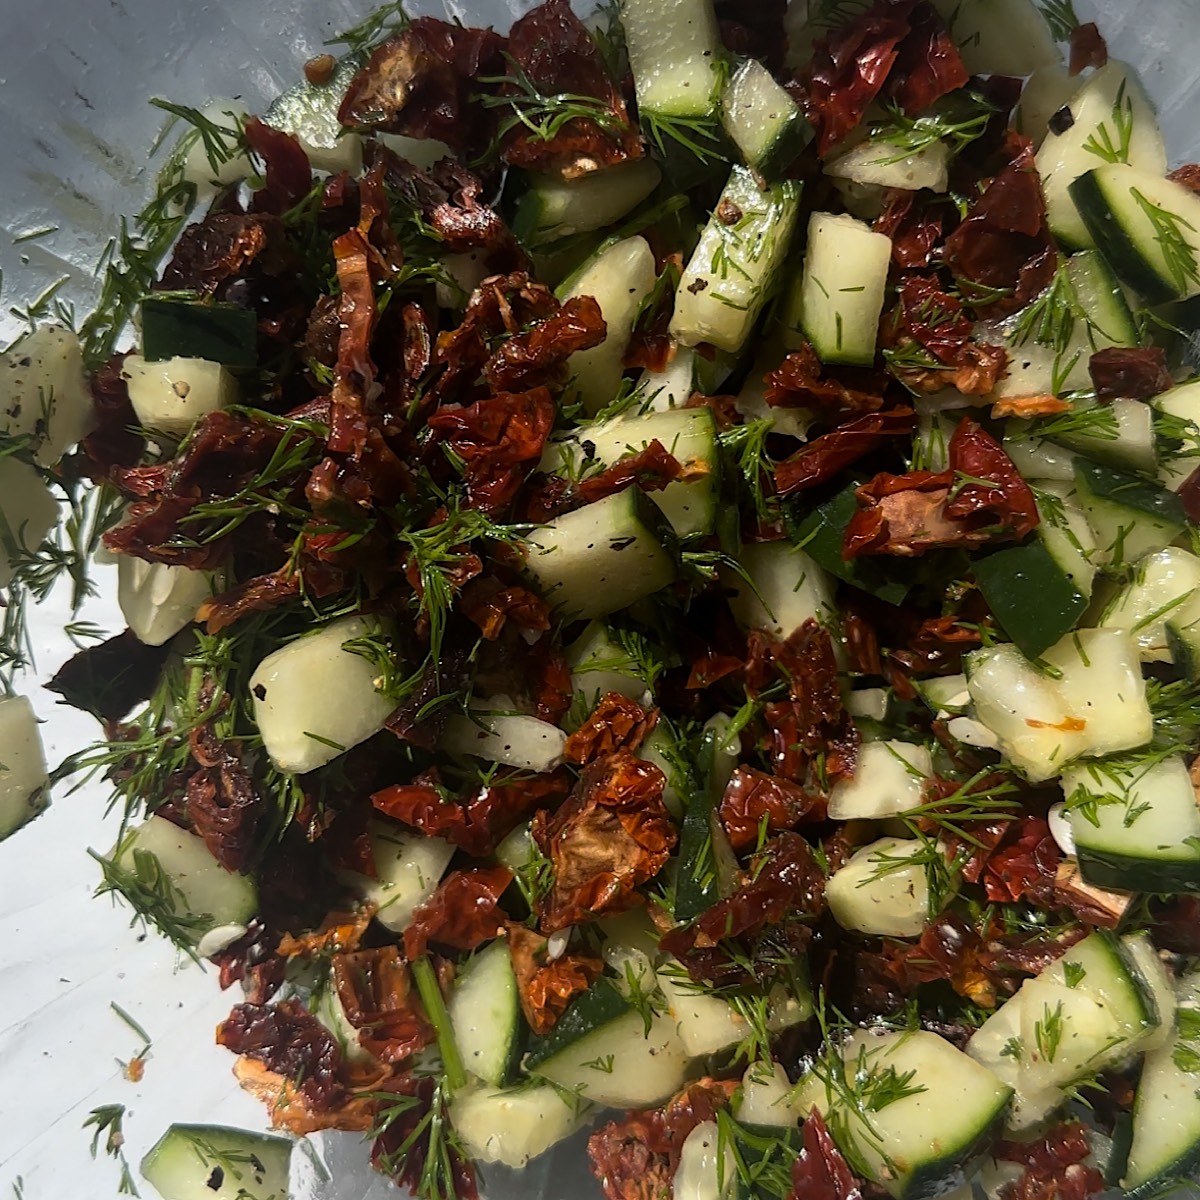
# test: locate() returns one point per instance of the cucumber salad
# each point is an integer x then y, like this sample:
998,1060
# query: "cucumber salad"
661,556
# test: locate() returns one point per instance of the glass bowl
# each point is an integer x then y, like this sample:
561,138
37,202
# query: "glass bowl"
75,76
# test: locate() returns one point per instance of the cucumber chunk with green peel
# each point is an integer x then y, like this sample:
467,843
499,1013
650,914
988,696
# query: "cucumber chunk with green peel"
1164,590
314,699
601,1049
778,589
707,863
912,1111
179,872
734,268
883,889
1148,227
24,780
1112,121
214,1162
619,278
1178,415
1130,516
604,556
676,58
171,396
881,162
511,738
513,1126
1136,828
553,208
889,780
762,120
173,327
485,1013
600,664
842,292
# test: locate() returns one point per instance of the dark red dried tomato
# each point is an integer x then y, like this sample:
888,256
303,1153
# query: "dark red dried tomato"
616,723
546,986
463,913
711,667
539,355
825,457
288,173
754,800
253,962
612,835
1055,1165
754,31
222,803
423,83
820,1172
1132,372
1189,494
928,65
496,438
376,994
112,442
110,678
1026,868
914,231
1004,496
1088,48
491,605
1188,176
217,249
652,468
801,381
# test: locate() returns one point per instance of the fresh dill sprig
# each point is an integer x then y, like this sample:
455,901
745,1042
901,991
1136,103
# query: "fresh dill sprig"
1179,254
1048,1032
1050,320
761,1162
222,141
1060,16
107,1120
1113,145
437,1180
957,126
384,22
1099,422
744,447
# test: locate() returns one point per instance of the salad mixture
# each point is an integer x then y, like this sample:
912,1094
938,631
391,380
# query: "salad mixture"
661,565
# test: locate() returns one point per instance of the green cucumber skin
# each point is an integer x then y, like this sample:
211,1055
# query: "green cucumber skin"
938,1177
693,895
1118,873
1035,603
222,333
1131,491
1114,245
598,1006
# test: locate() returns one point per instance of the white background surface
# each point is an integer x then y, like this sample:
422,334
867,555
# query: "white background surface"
74,75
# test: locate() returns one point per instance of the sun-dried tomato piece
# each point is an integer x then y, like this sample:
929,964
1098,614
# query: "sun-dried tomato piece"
539,355
340,932
937,647
754,31
754,800
784,890
1188,175
222,803
1189,495
652,468
1088,48
711,667
928,65
1132,372
112,441
558,55
1026,868
636,1158
286,167
616,723
820,1172
110,678
253,962
1003,496
376,994
612,835
1055,1165
1025,407
914,231
219,248
402,1150
546,986
1004,244
825,457
478,822
491,605
423,82
463,913
801,381
495,438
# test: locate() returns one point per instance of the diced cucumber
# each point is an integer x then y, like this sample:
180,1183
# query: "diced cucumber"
1135,829
485,1013
1147,226
604,556
881,162
157,600
706,1024
1164,1154
177,865
675,56
1165,589
1088,701
179,328
733,269
314,699
24,780
1036,458
669,754
619,278
752,399
171,396
927,1141
600,1049
600,664
515,1126
516,850
1130,444
1111,121
1142,955
554,208
944,694
869,704
1085,1011
1046,92
309,111
1180,405
704,1171
1000,37
689,434
1100,295
214,1162
659,391
845,276
329,1010
220,159
1130,516
408,868
888,779
883,889
766,1100
421,152
762,120
514,739
43,392
28,512
780,589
